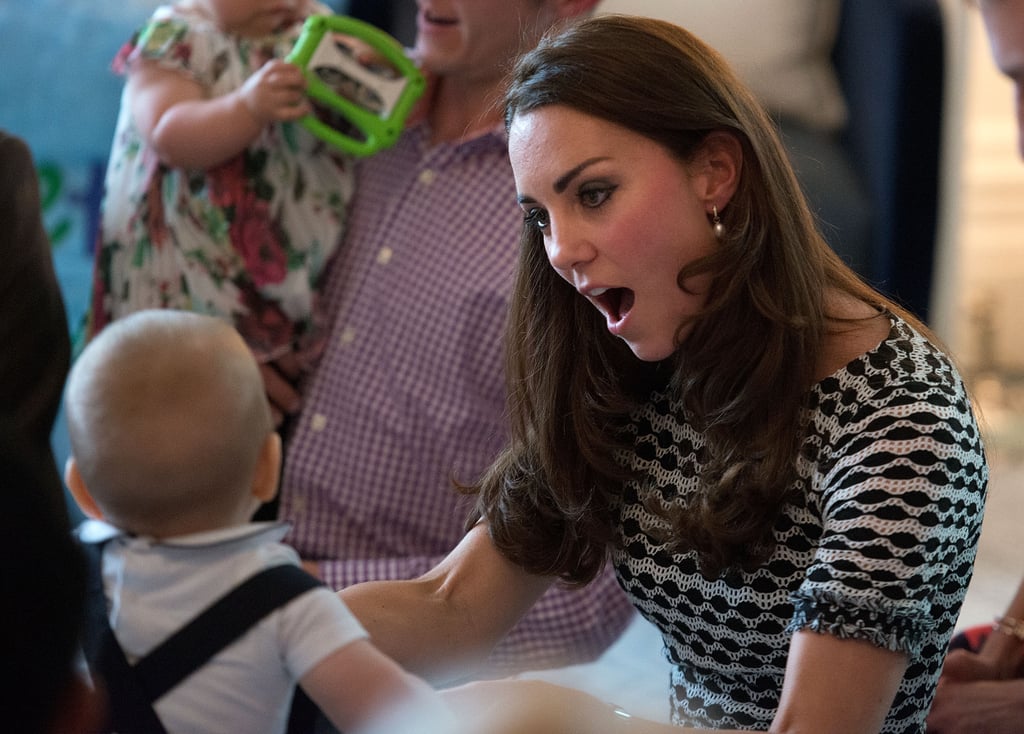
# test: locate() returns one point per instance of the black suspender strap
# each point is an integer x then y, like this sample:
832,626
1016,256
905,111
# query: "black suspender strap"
134,688
222,623
130,709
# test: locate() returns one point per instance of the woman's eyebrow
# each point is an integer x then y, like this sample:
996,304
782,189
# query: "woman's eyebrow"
563,181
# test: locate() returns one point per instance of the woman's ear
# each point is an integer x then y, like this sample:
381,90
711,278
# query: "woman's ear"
720,163
76,485
574,8
268,469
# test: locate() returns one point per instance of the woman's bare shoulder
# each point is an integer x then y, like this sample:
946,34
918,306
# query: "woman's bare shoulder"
855,327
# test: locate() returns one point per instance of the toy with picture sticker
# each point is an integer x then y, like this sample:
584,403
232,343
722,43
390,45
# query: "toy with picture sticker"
361,104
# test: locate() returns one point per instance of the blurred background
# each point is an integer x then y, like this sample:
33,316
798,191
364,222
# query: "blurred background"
58,93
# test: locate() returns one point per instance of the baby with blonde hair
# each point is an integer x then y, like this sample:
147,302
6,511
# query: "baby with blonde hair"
170,428
173,449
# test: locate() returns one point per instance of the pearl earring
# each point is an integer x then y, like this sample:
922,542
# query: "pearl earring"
716,223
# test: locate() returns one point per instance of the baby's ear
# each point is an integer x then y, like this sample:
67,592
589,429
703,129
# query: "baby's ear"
268,469
76,485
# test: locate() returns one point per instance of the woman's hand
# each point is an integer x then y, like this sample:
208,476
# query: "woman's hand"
513,706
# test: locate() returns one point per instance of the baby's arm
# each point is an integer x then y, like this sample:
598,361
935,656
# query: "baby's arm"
358,687
189,129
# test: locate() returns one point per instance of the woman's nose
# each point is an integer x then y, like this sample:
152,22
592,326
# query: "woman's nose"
567,248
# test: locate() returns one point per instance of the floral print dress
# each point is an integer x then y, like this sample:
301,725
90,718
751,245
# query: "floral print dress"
247,240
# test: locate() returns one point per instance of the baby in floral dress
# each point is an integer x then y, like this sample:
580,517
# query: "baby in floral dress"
216,200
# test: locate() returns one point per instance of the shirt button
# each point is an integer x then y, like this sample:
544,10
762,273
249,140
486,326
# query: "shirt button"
348,335
318,422
384,255
427,176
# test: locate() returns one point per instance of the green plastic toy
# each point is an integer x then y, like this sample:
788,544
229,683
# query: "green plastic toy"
366,105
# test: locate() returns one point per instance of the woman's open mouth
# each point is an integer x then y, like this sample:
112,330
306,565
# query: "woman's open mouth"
615,303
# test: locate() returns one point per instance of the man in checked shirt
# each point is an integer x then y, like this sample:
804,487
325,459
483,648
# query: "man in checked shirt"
409,394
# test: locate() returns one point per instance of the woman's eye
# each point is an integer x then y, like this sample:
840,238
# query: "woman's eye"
595,197
536,217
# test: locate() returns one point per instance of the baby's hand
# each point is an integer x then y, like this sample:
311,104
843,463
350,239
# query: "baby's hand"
276,93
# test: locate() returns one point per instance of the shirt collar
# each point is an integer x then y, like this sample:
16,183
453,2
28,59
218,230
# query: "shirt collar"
97,531
493,137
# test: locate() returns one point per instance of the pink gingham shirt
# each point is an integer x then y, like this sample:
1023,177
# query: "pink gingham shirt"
410,389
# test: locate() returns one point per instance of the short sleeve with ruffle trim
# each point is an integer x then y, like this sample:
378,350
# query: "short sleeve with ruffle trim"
189,42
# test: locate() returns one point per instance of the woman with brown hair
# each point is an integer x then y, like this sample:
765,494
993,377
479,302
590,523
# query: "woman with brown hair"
782,466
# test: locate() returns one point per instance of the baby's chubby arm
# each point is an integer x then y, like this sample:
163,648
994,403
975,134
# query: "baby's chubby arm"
362,690
189,129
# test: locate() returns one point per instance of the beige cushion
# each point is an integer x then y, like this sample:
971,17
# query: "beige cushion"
781,48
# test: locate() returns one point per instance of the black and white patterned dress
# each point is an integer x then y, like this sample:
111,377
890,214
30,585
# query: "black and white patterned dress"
880,548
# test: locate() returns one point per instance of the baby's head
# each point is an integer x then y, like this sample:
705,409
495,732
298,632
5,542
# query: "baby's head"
170,428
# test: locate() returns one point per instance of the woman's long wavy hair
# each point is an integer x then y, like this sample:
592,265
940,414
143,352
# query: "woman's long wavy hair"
748,363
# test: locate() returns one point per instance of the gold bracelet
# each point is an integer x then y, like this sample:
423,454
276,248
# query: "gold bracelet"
1010,626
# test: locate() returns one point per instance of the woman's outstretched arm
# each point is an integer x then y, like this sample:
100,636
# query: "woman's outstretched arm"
443,624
